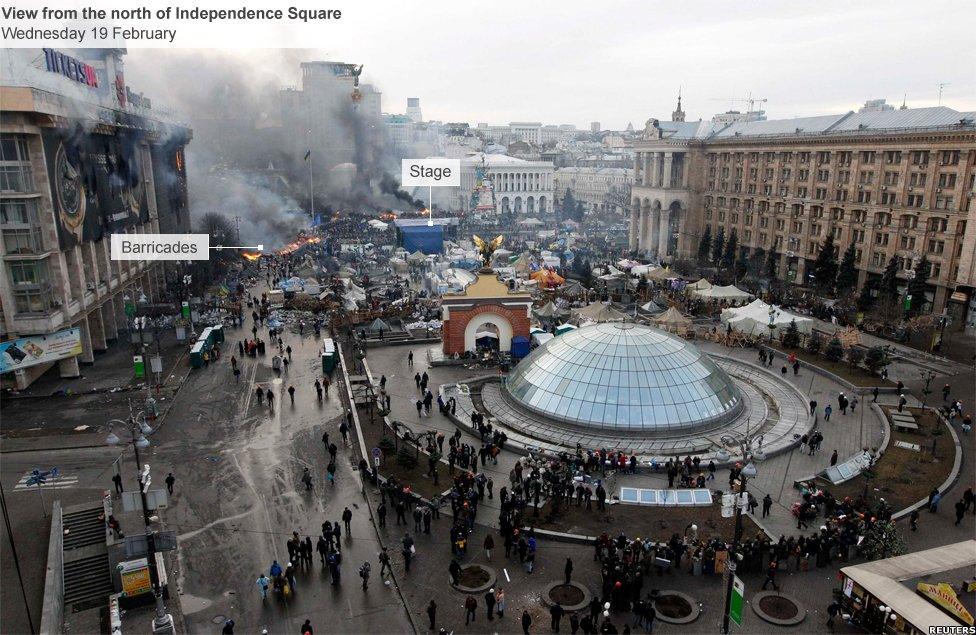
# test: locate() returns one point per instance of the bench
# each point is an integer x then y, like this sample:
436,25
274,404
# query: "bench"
908,446
905,425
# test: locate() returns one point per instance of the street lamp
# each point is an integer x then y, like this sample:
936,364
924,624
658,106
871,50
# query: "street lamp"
163,621
745,473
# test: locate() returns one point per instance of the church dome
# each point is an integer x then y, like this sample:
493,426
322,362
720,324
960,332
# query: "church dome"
626,378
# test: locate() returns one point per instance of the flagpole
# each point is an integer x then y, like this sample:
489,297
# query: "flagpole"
311,190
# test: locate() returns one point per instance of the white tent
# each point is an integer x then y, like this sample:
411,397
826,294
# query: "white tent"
701,285
754,319
729,293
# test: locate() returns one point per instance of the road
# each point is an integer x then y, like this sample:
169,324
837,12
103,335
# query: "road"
239,496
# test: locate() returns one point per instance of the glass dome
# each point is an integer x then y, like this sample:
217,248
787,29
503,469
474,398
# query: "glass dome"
626,378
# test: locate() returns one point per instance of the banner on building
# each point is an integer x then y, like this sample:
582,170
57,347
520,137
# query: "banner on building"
98,182
39,349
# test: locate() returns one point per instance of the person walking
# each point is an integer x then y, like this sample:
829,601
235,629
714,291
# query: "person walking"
384,558
346,520
555,616
307,479
913,520
489,545
470,608
526,622
117,479
263,583
828,409
568,571
490,604
410,359
770,576
833,458
500,603
832,610
767,505
408,551
364,574
270,401
291,394
344,431
454,570
381,513
432,607
960,510
307,628
259,393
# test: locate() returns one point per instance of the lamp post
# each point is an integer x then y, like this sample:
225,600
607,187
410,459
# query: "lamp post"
745,473
162,621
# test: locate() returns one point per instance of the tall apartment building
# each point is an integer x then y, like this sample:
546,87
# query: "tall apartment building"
892,182
321,115
82,156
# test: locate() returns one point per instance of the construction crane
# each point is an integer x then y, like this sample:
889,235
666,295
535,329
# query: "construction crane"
752,101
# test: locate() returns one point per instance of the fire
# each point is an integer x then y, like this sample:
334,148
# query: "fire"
425,212
252,256
298,244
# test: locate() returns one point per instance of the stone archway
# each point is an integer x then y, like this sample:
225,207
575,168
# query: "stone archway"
530,205
672,221
542,204
480,321
518,205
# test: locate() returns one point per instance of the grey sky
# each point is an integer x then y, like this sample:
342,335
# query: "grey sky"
619,62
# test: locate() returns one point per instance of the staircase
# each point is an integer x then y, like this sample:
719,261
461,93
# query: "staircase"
87,575
86,579
83,528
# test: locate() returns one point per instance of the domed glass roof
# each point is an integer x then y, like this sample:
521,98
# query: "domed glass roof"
625,377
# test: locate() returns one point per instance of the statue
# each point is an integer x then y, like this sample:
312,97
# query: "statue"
487,248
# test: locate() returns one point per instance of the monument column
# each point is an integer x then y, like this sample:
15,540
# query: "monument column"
663,235
668,158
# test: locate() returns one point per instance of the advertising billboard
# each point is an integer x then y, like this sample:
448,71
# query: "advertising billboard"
38,349
98,182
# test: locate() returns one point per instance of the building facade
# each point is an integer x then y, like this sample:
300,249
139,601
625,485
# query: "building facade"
516,186
895,183
605,191
317,116
81,157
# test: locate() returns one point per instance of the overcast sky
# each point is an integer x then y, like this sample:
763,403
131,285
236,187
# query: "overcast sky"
619,62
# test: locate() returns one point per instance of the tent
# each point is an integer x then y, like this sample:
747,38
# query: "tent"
572,288
549,310
533,222
660,274
650,307
672,320
754,319
548,278
379,325
522,264
701,285
417,256
728,293
565,328
598,312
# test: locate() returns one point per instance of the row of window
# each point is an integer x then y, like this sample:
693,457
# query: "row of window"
919,158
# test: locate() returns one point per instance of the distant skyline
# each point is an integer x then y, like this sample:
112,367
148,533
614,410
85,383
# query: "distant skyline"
623,62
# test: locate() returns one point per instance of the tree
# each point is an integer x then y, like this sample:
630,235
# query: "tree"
876,359
791,339
772,264
869,295
717,245
568,206
814,344
881,540
835,350
741,267
704,245
917,287
888,288
825,266
756,260
731,247
847,272
855,355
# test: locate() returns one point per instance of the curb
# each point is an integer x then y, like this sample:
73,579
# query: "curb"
950,480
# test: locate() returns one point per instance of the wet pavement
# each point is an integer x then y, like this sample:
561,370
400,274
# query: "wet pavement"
239,496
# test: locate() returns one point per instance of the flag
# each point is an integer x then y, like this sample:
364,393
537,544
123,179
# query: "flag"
308,153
